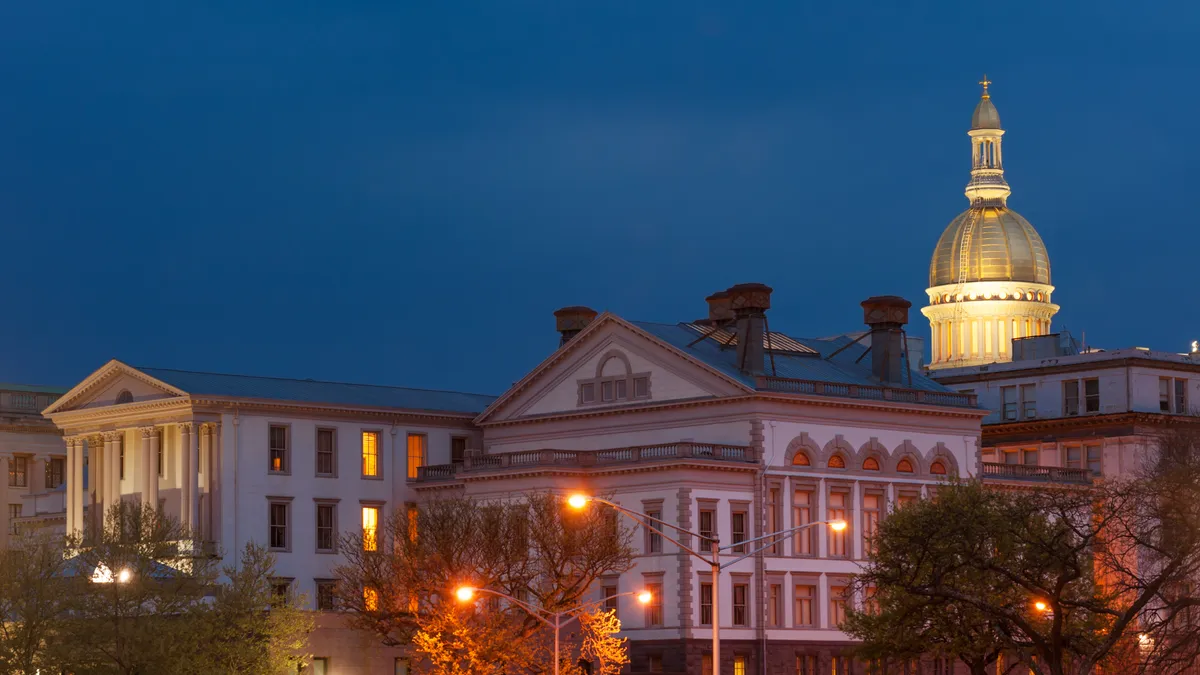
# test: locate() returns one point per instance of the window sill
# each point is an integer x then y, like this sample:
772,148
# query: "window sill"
326,552
372,477
278,473
326,475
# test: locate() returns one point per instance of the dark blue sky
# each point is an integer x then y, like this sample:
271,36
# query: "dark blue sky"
403,192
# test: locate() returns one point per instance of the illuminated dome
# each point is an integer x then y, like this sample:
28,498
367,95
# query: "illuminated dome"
1002,246
986,116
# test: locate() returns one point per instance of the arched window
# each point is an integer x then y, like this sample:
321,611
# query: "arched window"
836,462
870,464
937,468
904,466
124,397
801,459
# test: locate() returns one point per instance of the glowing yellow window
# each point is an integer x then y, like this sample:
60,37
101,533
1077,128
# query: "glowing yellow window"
370,599
370,524
370,453
412,522
416,453
739,665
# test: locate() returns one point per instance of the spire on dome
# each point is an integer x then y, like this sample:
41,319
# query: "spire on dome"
987,183
986,116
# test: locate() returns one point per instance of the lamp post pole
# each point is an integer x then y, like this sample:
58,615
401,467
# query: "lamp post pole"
465,593
713,558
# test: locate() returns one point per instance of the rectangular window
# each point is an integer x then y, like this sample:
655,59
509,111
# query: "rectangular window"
1028,401
806,664
1029,457
413,516
1071,397
587,393
325,594
609,593
370,454
1164,394
1094,456
1008,403
326,452
278,535
641,387
1074,457
804,606
1091,395
606,391
370,599
706,598
401,666
654,540
707,518
14,512
775,606
416,453
804,541
654,663
326,529
840,665
622,386
370,528
654,610
837,511
837,605
1180,396
738,527
54,472
458,449
740,614
871,511
17,476
706,664
278,448
905,499
320,665
739,665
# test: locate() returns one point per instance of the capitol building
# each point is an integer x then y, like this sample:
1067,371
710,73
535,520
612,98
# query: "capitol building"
715,424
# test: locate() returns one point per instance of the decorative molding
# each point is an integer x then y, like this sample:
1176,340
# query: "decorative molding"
802,443
148,432
906,450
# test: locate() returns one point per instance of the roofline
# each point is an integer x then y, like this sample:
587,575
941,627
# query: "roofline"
97,376
1040,367
312,381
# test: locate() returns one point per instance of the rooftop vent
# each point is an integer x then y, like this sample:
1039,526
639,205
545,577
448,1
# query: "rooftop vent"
886,316
750,303
570,320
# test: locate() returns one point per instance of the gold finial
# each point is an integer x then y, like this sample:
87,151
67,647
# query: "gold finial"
985,82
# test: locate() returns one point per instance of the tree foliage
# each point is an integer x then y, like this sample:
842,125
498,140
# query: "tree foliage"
400,584
1115,566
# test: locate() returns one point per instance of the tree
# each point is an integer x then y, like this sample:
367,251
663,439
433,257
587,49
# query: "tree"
600,641
1072,578
250,628
399,582
31,601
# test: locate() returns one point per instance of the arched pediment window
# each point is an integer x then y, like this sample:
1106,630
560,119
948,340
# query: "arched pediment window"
125,396
837,462
870,464
904,466
938,468
801,459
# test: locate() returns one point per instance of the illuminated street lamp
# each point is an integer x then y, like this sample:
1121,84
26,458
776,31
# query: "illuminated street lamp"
580,501
467,594
1039,606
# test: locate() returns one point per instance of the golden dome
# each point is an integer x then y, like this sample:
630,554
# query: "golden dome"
1002,246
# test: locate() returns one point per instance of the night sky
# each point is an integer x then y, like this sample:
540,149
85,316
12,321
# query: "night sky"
402,192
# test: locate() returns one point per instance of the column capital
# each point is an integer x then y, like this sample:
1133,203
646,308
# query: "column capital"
207,429
186,427
147,432
113,435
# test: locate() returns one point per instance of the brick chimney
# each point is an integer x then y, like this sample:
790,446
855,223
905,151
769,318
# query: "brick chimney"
570,320
886,316
750,303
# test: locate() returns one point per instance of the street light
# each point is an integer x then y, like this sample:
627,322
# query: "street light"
579,501
1039,606
467,593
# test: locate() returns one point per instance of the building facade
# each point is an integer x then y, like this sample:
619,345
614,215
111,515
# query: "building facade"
33,461
290,464
690,423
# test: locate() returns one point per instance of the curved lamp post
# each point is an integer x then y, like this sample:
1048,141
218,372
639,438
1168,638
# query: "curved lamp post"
467,593
713,559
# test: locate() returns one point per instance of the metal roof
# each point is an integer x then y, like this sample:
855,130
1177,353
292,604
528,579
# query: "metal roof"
34,388
841,369
313,391
776,342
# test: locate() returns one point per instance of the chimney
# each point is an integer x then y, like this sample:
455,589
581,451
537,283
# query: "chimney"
719,309
749,303
886,316
570,320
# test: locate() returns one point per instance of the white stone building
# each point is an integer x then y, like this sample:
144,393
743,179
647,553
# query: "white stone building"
32,462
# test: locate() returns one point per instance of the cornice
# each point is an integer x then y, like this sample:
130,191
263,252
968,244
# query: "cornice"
1058,424
330,410
49,430
577,471
1051,369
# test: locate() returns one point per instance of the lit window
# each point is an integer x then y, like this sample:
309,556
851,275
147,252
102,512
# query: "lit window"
370,528
801,459
739,665
278,448
320,665
803,543
871,509
370,599
937,468
416,453
412,516
870,464
904,466
804,606
837,511
837,605
370,454
836,462
654,610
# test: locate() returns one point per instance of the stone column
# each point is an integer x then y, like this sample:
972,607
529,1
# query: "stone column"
194,480
856,540
205,469
110,468
95,481
186,487
68,479
214,484
147,468
115,466
75,485
152,480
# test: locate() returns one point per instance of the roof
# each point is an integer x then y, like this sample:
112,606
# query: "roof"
986,116
1003,246
34,388
841,369
314,391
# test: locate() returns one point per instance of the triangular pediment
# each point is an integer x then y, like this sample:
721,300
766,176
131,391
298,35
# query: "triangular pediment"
611,364
108,386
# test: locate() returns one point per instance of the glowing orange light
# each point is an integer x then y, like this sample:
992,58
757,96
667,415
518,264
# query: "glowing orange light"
837,525
578,501
1040,606
464,593
645,597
